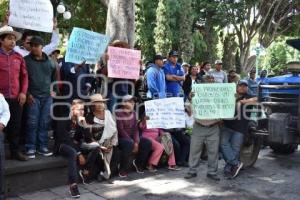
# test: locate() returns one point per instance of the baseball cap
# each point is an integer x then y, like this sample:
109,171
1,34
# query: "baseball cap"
243,82
158,57
37,40
218,62
173,53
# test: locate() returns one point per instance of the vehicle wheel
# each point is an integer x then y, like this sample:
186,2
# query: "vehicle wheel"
250,150
284,148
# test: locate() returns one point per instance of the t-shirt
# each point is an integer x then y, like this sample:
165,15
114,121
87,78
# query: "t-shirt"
220,76
173,87
240,123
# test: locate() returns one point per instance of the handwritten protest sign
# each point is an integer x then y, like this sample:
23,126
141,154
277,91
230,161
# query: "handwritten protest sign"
85,45
31,14
165,113
214,101
124,63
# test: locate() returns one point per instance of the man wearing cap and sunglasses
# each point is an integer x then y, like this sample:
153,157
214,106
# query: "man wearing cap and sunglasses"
174,75
41,73
13,86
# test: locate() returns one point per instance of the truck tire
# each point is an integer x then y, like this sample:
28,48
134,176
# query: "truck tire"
284,148
250,150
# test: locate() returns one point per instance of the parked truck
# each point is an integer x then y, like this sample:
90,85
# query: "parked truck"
277,121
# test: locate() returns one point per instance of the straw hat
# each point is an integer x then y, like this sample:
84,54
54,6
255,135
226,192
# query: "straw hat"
97,98
9,30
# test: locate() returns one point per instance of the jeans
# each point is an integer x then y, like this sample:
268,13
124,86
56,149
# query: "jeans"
70,154
211,137
126,147
2,182
38,121
13,127
181,143
231,142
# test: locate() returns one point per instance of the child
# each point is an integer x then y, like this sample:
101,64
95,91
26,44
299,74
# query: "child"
157,147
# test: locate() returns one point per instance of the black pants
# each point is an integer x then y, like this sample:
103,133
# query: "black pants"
70,154
2,183
95,163
12,130
181,143
126,147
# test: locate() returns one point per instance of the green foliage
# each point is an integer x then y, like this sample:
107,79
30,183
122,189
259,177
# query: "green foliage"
3,8
145,24
162,31
89,15
199,48
186,35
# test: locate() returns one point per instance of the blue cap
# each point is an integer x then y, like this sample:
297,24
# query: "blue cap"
243,82
173,53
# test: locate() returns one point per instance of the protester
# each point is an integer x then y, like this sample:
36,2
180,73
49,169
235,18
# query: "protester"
117,87
219,75
263,76
252,83
41,73
129,139
190,79
233,77
4,118
156,79
66,147
205,69
13,86
205,131
233,132
78,75
153,134
186,67
102,137
174,75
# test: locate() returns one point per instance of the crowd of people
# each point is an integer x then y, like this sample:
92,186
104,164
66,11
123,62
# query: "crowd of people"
99,123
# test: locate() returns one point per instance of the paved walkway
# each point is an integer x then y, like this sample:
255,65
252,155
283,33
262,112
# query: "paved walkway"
274,177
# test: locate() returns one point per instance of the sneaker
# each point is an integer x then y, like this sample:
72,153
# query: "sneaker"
151,169
214,177
190,175
227,175
85,178
174,168
123,174
30,154
74,191
236,169
45,152
137,168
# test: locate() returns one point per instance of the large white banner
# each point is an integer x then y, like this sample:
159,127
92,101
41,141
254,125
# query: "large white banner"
31,14
165,113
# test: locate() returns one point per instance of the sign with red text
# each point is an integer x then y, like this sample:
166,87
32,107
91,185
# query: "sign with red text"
124,63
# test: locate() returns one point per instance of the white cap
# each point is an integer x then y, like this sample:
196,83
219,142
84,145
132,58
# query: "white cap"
218,62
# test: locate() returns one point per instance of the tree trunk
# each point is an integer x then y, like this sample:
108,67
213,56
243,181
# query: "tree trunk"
120,20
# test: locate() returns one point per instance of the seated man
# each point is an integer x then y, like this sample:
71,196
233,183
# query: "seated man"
129,139
66,146
99,142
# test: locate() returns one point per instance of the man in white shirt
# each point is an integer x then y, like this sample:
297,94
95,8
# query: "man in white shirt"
4,118
219,75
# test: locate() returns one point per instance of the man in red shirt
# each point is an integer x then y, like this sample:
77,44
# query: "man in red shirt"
13,86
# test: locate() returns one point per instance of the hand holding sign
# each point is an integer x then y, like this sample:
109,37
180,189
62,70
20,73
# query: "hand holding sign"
86,45
124,63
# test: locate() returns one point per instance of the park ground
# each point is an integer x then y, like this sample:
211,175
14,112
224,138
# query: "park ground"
273,177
